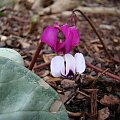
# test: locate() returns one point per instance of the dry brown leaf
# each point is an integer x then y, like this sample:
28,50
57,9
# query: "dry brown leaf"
65,97
109,100
103,114
80,96
96,48
48,57
49,78
43,73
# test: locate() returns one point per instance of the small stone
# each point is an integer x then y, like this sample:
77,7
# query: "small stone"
66,83
107,27
66,13
115,40
90,59
3,38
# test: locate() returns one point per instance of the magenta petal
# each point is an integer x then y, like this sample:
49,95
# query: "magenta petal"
65,29
75,35
68,42
60,48
61,45
49,36
72,38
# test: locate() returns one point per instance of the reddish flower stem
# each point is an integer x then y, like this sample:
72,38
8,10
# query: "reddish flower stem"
94,28
106,73
41,65
117,78
35,56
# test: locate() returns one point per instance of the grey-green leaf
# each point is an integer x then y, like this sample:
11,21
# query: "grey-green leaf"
25,96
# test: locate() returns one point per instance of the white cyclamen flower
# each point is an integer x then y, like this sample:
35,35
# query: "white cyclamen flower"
67,65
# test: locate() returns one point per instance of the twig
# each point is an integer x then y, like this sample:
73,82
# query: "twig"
72,96
5,8
35,56
19,19
94,103
102,73
74,114
101,10
83,94
93,26
106,73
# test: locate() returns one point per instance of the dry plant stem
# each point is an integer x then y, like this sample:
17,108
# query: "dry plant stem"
83,93
106,73
101,10
19,19
94,103
93,26
35,56
102,73
72,96
5,8
74,114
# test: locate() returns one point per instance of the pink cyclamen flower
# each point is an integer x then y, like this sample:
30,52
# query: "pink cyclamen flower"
71,38
67,65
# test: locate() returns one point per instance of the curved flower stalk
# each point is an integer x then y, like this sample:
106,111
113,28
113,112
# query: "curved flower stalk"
67,65
58,45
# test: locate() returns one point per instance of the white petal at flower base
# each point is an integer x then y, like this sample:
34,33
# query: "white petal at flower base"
80,63
63,65
69,64
57,65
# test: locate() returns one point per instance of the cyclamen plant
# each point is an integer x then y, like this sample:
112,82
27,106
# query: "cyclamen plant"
66,65
71,39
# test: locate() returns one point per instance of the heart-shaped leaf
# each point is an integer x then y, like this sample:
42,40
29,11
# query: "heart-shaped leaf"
25,96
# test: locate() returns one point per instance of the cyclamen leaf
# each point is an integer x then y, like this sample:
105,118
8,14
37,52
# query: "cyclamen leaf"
25,96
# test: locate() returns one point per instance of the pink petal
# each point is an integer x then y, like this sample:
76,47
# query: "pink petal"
65,29
60,48
68,42
61,45
49,36
70,64
72,37
57,65
80,63
75,36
